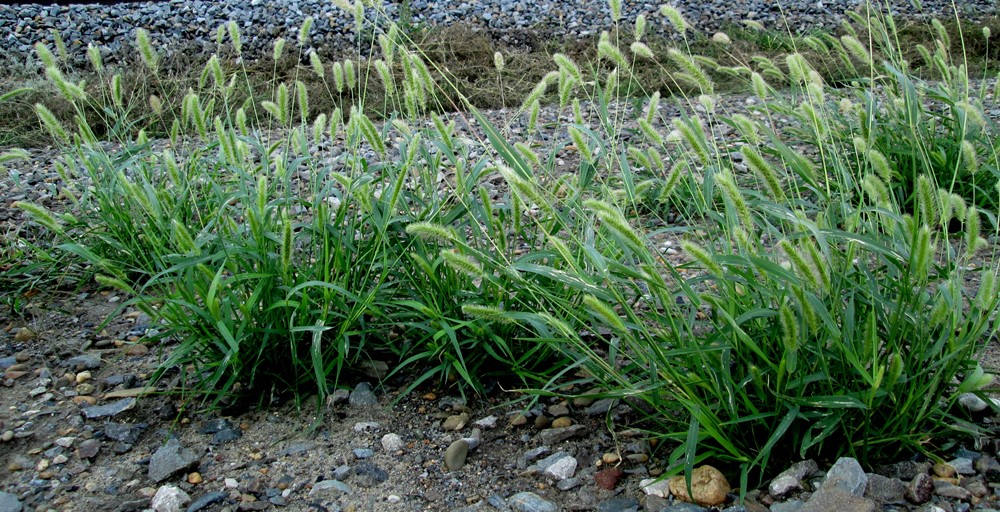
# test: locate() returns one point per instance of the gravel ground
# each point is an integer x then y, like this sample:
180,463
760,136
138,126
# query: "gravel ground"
183,25
71,437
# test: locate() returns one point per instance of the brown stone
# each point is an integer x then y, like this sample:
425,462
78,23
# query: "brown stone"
708,487
607,478
137,350
943,470
562,422
518,420
24,334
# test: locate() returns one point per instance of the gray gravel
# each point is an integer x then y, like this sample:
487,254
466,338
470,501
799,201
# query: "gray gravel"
185,26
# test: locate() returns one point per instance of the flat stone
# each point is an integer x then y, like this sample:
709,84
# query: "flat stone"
367,474
531,502
84,362
298,447
88,449
226,435
367,426
553,436
112,409
618,505
207,500
487,422
7,362
601,406
972,402
331,485
170,459
362,453
215,425
948,490
124,433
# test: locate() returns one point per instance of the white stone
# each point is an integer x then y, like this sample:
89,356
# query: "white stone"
487,422
562,469
365,426
231,483
972,402
392,443
169,498
655,487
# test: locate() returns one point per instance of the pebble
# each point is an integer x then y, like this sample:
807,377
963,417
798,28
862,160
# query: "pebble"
327,485
112,409
608,478
362,453
708,486
487,422
455,455
207,500
455,422
562,422
655,487
362,396
170,459
531,502
169,498
392,443
553,436
366,426
920,489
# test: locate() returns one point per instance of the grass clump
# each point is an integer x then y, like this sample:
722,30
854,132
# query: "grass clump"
820,309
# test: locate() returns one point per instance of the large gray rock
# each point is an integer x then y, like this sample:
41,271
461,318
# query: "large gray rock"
170,459
846,476
10,503
791,479
885,490
362,396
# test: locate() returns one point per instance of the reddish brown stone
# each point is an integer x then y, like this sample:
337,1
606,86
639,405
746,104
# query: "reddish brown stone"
608,478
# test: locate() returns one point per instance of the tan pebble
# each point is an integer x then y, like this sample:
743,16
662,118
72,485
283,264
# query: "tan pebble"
69,377
14,374
42,465
610,458
19,367
455,422
256,456
185,421
429,396
282,486
7,436
60,459
14,466
541,422
194,478
137,350
119,343
945,479
264,471
86,388
248,498
518,420
637,457
83,376
148,492
562,422
23,334
46,475
943,470
708,485
84,400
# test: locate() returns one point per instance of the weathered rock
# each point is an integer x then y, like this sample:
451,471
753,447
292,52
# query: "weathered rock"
708,487
124,433
554,436
963,466
530,502
170,459
791,479
367,474
846,475
618,505
885,490
362,396
88,449
835,499
169,498
601,406
920,489
562,468
455,455
84,362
